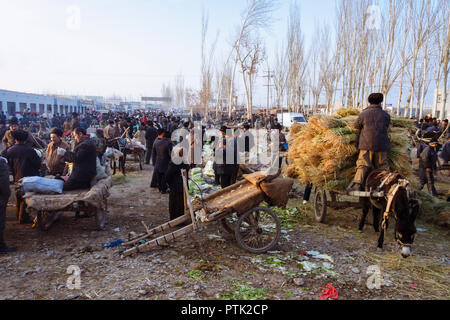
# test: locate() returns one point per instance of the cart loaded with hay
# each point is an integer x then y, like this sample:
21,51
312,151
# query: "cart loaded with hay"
257,229
324,153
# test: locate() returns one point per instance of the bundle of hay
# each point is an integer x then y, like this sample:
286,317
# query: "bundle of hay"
294,129
346,112
323,152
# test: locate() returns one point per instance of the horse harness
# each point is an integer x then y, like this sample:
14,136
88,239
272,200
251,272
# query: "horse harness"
401,183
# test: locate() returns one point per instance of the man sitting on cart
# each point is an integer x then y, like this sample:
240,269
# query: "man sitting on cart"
373,140
84,159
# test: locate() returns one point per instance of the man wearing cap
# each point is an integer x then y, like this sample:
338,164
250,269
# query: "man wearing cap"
55,162
226,170
9,140
373,140
427,164
151,133
24,162
112,130
161,151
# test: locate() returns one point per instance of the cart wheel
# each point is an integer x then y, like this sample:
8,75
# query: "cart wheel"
258,230
320,205
45,220
229,223
100,218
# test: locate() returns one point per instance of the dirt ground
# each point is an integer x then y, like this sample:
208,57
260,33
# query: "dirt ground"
209,264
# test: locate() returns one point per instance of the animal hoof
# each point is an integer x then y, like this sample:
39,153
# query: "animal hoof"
360,231
379,249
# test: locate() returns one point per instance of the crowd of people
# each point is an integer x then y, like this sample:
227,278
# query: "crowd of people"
37,146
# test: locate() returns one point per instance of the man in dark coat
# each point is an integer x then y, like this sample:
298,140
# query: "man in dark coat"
9,140
226,170
84,159
175,181
162,153
3,129
445,154
154,181
24,162
427,164
373,143
22,158
5,193
150,136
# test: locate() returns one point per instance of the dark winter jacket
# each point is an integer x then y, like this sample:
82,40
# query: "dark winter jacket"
150,136
445,154
428,158
174,178
373,124
5,191
227,168
84,158
23,161
162,150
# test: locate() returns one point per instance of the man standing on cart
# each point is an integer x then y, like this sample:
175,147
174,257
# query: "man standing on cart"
373,140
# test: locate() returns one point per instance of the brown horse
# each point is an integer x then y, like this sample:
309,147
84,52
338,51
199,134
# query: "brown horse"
396,202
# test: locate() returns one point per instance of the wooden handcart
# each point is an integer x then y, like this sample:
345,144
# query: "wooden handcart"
256,229
48,208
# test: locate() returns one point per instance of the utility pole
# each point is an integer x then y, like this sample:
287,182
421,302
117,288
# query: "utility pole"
268,85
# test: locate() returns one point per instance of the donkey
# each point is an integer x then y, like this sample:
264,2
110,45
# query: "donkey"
404,209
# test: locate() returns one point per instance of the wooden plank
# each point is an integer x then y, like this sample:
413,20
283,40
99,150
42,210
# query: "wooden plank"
366,194
158,229
162,240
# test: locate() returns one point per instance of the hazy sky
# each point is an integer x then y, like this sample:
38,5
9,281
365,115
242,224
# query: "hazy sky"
122,47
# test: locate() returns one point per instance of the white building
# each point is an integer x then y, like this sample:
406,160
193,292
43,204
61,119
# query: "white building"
14,103
438,109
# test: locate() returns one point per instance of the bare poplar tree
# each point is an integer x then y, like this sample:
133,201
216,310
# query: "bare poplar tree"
250,55
179,91
206,66
255,17
297,60
422,28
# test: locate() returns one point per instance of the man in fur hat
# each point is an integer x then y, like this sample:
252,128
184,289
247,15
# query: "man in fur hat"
373,140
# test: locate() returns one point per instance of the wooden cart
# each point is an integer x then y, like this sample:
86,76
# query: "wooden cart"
48,208
123,145
256,229
321,202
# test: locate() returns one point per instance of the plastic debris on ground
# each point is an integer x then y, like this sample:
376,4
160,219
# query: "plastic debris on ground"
215,237
112,244
329,292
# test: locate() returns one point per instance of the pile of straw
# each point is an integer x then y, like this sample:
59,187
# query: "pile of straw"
346,112
323,152
295,128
